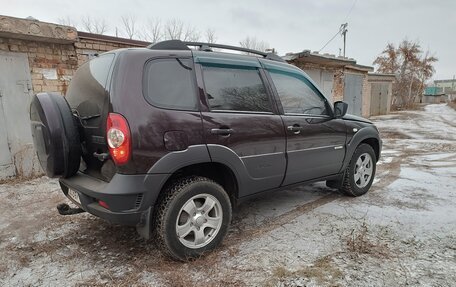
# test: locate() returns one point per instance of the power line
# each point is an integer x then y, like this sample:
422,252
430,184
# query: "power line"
342,29
351,9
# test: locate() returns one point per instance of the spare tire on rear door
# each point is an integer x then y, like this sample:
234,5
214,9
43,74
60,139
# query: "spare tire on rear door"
55,135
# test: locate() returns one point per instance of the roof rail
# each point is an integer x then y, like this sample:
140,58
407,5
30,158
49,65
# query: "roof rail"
180,45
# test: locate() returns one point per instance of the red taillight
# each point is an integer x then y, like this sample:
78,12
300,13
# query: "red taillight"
119,139
103,204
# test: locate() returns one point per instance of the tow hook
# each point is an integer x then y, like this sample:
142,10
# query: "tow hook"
65,209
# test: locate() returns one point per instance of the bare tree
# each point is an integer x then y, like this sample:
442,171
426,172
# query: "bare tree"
174,29
411,67
254,44
210,36
152,31
191,34
66,21
94,25
129,25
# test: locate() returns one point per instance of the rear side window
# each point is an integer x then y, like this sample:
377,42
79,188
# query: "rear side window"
99,68
169,84
297,94
88,86
235,89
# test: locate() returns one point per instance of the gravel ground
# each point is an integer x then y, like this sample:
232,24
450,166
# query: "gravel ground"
401,233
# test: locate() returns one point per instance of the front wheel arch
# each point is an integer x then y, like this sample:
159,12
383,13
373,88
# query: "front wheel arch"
374,143
349,185
367,135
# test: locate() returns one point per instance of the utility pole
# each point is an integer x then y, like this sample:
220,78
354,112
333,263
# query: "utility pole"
452,84
343,31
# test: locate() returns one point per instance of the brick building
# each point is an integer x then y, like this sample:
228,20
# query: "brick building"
37,57
339,78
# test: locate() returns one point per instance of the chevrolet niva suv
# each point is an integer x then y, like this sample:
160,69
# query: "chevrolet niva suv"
168,139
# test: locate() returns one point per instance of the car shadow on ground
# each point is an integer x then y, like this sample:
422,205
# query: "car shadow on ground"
100,242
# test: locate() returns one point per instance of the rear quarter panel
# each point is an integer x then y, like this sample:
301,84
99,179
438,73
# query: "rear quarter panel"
148,124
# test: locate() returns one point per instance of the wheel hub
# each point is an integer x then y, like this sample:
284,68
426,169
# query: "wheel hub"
363,170
198,220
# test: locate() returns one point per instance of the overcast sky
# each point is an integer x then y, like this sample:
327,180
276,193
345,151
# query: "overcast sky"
288,26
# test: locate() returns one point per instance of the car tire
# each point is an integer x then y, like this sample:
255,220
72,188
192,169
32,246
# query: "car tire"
199,209
55,135
360,173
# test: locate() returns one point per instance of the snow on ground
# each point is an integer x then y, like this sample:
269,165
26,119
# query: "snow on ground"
401,233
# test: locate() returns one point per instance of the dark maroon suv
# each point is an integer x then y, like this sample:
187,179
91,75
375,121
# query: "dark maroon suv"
168,138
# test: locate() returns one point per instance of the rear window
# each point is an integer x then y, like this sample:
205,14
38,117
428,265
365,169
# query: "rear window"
87,90
169,84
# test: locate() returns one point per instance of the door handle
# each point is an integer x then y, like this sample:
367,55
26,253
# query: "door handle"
222,132
296,129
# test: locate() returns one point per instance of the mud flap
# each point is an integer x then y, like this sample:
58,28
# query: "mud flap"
336,183
143,227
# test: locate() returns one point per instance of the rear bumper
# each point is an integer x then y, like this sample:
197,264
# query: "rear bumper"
130,198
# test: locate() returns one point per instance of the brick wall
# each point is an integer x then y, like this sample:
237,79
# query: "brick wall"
86,48
51,65
338,86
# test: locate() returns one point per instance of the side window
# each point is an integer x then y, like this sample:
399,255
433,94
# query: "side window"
297,95
235,89
168,83
88,86
99,68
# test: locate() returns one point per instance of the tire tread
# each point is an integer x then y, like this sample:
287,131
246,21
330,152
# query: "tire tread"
163,208
346,186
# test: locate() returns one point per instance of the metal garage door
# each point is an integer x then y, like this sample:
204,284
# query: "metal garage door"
353,92
326,84
379,99
16,146
323,79
6,163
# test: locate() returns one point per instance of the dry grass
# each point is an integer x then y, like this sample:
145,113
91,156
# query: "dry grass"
111,280
389,134
452,104
410,107
322,271
19,179
360,242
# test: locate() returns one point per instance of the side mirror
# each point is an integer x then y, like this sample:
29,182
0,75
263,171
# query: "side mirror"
340,109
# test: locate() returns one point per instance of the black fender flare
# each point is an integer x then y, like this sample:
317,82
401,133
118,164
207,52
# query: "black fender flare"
166,166
369,132
247,184
211,153
194,154
173,161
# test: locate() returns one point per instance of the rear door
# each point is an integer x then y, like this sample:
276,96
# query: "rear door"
315,140
241,124
88,97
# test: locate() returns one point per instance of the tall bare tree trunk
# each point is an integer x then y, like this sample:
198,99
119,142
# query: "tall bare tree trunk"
409,98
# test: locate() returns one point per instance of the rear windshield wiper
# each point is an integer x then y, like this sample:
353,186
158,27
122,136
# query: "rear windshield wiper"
76,114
